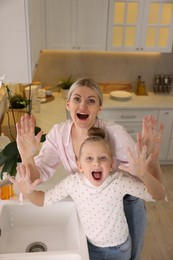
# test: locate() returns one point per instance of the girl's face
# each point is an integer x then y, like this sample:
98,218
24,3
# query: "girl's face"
95,162
83,106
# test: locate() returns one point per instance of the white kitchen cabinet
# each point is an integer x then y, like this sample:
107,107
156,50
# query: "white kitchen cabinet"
166,117
34,17
76,24
140,26
131,119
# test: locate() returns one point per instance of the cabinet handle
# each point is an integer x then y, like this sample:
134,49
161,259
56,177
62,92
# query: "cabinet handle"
128,116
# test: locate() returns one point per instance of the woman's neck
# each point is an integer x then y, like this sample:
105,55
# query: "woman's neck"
78,135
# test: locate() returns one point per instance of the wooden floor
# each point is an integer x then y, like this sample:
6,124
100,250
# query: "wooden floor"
159,236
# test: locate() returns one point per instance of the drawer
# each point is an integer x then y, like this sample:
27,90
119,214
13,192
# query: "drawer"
127,115
170,151
132,128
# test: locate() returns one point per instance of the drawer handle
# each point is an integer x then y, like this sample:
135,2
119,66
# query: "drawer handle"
128,116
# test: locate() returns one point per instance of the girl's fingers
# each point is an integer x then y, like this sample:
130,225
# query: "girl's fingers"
12,179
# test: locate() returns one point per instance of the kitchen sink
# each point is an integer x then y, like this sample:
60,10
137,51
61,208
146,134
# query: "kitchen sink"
31,232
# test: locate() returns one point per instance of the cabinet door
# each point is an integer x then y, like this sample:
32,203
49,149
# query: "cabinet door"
145,25
76,24
157,26
60,24
92,24
165,117
125,21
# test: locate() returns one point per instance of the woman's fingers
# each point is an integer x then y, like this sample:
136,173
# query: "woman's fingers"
27,124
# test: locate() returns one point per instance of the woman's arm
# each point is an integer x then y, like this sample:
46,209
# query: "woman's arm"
27,187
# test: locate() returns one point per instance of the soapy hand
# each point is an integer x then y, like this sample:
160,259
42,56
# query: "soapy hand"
138,161
151,136
27,142
23,181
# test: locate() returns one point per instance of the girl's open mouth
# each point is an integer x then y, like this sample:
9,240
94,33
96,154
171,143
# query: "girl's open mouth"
97,175
82,116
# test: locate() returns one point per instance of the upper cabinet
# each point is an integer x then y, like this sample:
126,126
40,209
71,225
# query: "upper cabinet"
76,24
140,26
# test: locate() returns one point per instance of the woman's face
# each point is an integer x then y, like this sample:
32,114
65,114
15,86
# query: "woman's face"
84,106
95,162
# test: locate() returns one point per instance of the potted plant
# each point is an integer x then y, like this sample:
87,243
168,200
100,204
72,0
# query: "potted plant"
9,156
65,84
17,101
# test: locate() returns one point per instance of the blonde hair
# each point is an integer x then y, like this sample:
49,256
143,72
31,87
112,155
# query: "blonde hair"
95,134
86,83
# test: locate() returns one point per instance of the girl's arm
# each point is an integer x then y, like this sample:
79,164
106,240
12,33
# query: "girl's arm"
27,187
138,164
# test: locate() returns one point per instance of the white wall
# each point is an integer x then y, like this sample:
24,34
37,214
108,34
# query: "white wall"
14,51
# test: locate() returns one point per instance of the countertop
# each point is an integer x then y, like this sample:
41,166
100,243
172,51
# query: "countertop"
55,111
51,113
151,101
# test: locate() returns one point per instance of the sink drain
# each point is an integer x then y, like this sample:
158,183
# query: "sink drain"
36,247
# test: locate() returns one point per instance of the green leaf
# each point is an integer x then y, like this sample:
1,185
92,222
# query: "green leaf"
11,150
3,158
37,130
10,166
43,138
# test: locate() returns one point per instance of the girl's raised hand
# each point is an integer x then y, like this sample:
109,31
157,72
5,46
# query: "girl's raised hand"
23,181
138,161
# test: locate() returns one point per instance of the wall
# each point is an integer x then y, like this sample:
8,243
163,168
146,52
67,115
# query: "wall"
101,66
14,51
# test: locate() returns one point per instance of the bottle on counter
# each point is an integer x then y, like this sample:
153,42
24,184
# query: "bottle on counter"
138,83
6,191
142,89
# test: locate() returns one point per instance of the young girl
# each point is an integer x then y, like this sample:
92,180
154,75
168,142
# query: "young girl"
98,194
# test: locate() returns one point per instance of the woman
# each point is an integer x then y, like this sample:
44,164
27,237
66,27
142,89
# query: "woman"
63,142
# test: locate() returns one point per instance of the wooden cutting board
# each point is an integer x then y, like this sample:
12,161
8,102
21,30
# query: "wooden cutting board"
108,87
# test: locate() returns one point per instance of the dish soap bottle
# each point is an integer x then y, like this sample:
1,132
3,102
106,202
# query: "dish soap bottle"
6,191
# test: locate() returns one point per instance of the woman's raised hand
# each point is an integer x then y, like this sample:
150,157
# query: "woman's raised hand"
151,136
27,142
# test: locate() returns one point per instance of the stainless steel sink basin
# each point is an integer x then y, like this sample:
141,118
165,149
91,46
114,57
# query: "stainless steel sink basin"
31,232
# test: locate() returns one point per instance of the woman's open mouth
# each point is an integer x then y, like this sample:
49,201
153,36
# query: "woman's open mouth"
82,116
97,175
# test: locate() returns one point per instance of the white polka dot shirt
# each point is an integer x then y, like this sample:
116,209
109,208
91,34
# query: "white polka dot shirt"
100,208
